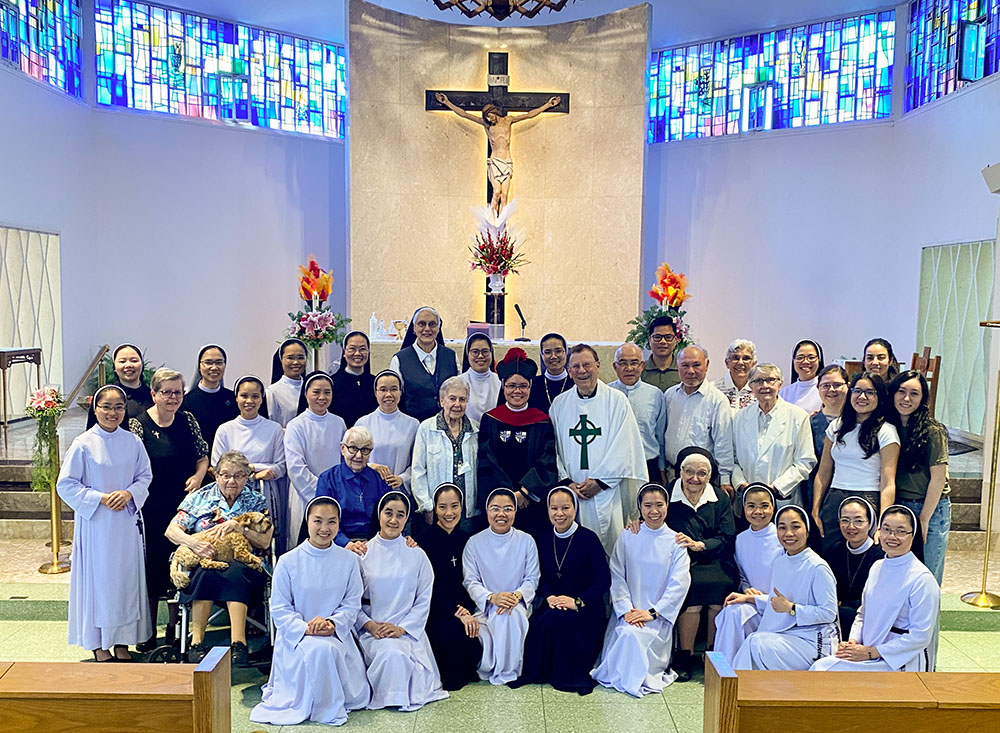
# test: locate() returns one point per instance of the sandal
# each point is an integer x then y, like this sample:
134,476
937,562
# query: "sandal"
109,658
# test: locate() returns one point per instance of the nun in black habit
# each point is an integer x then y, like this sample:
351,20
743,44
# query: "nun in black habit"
353,383
852,559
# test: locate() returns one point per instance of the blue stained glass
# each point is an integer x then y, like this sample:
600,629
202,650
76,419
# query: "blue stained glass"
159,59
820,73
934,50
42,39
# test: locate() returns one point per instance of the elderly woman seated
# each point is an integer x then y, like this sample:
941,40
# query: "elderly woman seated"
446,451
356,487
214,508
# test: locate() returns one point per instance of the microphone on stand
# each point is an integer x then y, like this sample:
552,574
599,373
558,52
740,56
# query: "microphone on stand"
523,323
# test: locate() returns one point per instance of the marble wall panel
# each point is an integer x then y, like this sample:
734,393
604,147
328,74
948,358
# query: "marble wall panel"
415,176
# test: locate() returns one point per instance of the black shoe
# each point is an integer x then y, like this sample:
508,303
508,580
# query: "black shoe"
241,655
196,653
147,646
682,663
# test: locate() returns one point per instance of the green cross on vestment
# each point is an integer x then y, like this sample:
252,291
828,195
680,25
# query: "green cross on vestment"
584,433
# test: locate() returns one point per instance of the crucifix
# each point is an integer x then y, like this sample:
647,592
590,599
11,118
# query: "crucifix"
492,107
584,433
454,561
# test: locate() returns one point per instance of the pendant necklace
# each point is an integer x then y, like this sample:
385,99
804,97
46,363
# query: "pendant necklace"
561,385
555,554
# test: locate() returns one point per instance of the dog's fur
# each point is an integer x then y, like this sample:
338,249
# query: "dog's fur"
229,547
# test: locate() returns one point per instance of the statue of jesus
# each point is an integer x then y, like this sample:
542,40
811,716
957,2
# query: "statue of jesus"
499,166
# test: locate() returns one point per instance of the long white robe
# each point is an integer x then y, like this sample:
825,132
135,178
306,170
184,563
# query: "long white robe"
802,394
898,616
107,591
312,445
318,678
484,391
783,641
614,456
283,400
782,457
393,435
648,570
398,582
262,441
495,563
756,552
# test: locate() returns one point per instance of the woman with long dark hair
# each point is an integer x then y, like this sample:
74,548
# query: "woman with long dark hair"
922,472
879,359
859,457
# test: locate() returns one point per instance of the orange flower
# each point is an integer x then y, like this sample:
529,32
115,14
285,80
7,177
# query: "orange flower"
669,288
314,282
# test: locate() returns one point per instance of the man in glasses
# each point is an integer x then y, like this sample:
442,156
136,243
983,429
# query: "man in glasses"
660,370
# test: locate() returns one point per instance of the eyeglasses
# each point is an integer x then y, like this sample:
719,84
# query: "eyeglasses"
691,473
112,408
427,324
856,523
227,477
500,509
741,358
661,337
479,352
630,363
517,387
900,533
554,352
863,392
356,350
830,386
171,392
354,450
810,358
769,381
213,362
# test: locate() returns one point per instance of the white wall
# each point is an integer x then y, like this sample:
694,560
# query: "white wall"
174,232
818,233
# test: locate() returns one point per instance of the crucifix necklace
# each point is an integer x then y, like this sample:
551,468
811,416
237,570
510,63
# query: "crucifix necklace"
454,561
555,554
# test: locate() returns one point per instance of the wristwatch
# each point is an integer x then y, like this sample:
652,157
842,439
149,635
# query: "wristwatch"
579,602
791,611
653,613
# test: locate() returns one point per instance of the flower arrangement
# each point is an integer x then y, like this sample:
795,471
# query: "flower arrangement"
669,291
45,405
316,324
495,248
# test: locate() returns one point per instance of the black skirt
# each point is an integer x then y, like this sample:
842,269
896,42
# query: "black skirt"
710,584
238,582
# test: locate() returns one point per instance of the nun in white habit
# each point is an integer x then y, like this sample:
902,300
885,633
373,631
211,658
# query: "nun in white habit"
479,366
398,581
317,672
799,624
287,367
650,577
896,625
312,445
105,480
392,431
757,548
501,574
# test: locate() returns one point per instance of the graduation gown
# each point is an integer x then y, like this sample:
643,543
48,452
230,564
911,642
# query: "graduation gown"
137,399
599,438
398,581
211,409
262,441
574,566
898,616
318,678
358,495
283,400
484,392
494,563
312,445
545,390
457,655
783,641
107,591
851,570
353,395
648,570
518,449
756,552
393,435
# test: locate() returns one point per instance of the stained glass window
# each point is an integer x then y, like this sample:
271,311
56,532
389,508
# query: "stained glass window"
945,36
816,74
42,38
159,59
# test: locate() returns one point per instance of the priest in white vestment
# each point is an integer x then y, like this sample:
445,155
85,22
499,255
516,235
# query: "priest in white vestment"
772,440
398,581
896,627
500,568
650,578
599,449
757,548
105,480
317,672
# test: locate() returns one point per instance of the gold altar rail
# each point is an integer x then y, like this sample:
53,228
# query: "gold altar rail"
71,397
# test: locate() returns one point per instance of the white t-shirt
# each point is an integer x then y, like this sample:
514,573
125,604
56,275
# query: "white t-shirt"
851,470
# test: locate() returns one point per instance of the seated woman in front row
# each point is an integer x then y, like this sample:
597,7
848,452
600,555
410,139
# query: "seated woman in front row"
650,577
317,672
800,621
398,580
501,575
895,627
852,561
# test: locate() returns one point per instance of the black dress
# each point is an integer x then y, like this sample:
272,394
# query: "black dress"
173,456
137,400
714,574
544,390
211,409
851,572
457,655
518,449
353,396
562,646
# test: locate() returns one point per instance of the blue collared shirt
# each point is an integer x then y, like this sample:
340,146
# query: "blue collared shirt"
358,495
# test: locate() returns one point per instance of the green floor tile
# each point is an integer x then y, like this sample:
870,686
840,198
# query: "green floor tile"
41,641
569,718
514,717
486,694
685,692
600,696
687,718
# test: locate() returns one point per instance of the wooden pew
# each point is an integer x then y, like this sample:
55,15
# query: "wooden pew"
845,702
116,698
